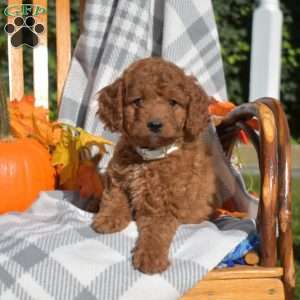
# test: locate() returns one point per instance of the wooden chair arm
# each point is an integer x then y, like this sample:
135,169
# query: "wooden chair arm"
284,196
272,144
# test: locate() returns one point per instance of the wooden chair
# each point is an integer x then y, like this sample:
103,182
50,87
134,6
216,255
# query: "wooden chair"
271,280
274,279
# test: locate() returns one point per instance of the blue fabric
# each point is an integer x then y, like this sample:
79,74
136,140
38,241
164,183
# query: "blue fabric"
237,255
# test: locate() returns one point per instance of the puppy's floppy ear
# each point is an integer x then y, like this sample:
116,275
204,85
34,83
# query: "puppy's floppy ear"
197,114
111,105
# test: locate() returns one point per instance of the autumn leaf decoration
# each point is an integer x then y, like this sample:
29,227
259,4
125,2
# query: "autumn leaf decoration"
69,146
67,156
219,109
27,120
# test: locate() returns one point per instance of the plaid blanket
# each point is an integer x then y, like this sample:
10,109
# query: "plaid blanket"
50,252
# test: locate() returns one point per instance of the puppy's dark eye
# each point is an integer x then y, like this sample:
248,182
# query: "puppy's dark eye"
173,102
137,102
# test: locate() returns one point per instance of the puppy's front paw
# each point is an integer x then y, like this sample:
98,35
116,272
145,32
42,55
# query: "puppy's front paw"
104,224
150,261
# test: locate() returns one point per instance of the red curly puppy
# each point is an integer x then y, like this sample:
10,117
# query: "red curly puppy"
161,172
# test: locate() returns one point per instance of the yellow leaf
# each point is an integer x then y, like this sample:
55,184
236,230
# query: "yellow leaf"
61,155
67,153
90,139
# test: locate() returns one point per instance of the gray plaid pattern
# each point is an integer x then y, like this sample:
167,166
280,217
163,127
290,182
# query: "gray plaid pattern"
71,261
118,32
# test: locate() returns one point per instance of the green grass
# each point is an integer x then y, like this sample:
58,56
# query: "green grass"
252,182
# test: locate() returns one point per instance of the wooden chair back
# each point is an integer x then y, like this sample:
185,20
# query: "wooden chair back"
40,54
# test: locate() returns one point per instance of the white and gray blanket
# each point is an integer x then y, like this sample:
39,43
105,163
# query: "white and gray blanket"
50,252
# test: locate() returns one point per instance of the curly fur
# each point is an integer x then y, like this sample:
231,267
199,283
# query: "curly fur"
159,194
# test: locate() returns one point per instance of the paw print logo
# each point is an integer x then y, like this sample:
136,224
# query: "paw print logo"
24,31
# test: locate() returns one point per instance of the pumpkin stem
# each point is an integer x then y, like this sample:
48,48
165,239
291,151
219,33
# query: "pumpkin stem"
4,114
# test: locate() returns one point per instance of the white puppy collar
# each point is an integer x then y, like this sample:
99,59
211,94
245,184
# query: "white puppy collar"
159,153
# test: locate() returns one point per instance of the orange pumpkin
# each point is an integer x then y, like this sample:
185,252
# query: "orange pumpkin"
25,167
25,170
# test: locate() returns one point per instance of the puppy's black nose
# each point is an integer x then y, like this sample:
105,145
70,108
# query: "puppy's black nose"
155,125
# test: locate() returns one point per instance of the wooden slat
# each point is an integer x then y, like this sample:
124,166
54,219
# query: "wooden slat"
40,61
63,43
244,273
237,289
15,64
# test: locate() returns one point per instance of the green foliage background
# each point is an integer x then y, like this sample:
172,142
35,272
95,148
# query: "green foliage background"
234,20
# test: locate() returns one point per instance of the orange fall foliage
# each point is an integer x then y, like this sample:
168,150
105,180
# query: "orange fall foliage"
28,120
